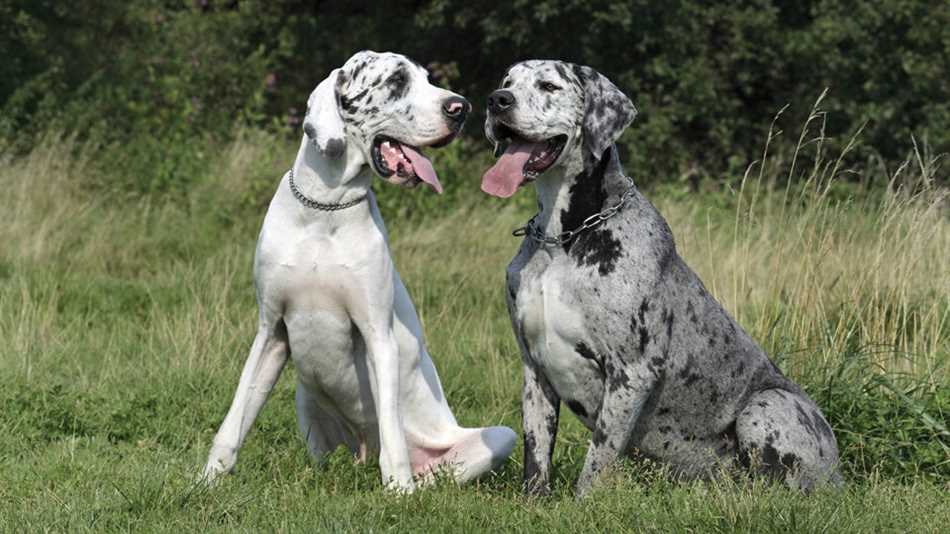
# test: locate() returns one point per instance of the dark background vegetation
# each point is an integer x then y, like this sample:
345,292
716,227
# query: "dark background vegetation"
155,76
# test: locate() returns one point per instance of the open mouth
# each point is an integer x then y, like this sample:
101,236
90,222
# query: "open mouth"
520,161
404,164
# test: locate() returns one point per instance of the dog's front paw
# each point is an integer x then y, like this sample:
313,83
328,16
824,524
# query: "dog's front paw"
535,487
221,461
401,487
585,483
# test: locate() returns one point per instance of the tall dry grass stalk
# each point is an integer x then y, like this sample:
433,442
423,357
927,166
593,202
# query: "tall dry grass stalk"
816,275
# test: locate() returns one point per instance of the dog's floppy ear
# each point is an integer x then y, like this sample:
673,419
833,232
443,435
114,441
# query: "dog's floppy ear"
607,111
323,123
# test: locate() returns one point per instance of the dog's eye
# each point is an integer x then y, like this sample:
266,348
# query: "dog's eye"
506,85
549,87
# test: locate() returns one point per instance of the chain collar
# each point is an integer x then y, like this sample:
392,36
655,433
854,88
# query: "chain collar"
531,230
313,204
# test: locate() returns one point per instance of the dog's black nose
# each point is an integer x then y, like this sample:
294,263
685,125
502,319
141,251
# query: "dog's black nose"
500,100
456,108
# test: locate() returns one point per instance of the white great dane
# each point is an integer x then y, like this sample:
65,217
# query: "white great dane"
331,299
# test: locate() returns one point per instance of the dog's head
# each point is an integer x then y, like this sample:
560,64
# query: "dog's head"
548,114
383,107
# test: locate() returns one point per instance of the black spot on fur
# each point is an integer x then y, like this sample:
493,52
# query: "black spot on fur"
729,433
530,442
531,467
686,371
644,339
577,408
348,106
744,455
770,457
739,370
398,83
551,423
587,198
358,69
585,352
805,420
598,247
822,425
789,461
617,380
669,317
359,96
579,73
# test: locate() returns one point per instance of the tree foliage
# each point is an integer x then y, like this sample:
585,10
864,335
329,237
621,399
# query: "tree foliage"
707,77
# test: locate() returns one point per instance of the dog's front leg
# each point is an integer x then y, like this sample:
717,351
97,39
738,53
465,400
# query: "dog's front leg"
540,406
625,392
394,451
261,370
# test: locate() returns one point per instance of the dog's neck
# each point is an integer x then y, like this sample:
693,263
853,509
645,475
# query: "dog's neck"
331,180
566,196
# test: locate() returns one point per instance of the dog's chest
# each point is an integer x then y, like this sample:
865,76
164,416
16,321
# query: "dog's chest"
554,329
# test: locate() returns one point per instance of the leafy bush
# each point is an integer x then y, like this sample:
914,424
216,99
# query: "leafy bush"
707,77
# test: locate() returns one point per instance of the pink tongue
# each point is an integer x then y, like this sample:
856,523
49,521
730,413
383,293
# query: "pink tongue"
423,168
503,179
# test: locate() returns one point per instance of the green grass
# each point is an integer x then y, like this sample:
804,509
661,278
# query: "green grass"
126,322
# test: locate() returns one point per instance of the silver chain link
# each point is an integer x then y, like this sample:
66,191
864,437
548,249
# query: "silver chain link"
313,204
532,230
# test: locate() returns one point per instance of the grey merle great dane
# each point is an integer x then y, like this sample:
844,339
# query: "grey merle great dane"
330,298
611,321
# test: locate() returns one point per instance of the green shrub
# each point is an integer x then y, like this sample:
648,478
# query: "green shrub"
707,77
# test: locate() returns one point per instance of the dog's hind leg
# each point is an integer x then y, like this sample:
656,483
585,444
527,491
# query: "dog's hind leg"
782,434
481,450
268,355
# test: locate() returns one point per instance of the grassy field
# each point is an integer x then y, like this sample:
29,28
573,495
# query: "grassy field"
125,323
